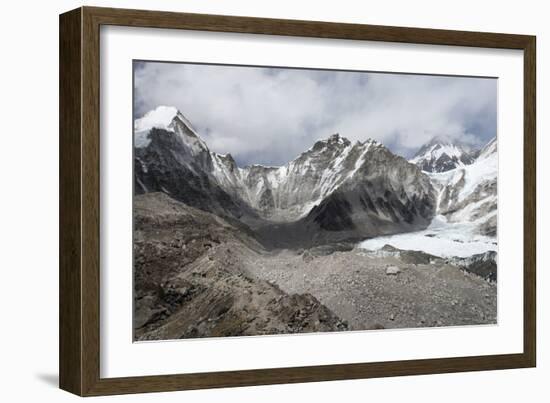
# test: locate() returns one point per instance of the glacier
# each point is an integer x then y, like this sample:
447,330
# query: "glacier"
465,223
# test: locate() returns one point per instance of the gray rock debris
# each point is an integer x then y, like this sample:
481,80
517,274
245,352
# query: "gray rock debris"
392,270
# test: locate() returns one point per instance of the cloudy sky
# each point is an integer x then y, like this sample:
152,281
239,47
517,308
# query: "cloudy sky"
270,115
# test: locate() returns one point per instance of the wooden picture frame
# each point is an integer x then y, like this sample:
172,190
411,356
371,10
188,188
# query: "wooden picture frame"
79,346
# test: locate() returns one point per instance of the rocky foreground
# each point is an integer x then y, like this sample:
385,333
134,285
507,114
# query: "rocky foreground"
189,280
385,289
198,275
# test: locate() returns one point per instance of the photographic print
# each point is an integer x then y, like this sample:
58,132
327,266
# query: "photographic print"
273,200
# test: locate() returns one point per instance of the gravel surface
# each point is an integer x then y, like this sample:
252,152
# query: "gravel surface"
197,275
356,286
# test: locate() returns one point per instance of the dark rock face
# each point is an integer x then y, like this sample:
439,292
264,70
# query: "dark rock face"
166,165
334,214
483,265
266,200
489,227
386,195
445,163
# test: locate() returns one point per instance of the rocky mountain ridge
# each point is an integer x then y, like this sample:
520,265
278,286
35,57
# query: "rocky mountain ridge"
469,193
443,154
334,190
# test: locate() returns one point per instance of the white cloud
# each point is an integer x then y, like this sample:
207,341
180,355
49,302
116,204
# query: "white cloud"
266,115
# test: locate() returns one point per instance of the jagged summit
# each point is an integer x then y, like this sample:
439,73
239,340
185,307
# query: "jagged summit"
160,117
172,158
336,138
468,193
170,119
443,153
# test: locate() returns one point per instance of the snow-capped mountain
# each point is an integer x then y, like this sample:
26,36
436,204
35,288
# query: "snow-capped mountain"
170,157
170,119
443,154
338,187
289,192
385,194
465,226
469,193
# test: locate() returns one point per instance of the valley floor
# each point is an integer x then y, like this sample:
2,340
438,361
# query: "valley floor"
197,275
358,287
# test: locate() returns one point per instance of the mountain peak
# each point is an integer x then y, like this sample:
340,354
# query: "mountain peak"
336,138
161,117
443,153
442,139
170,119
371,141
333,140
